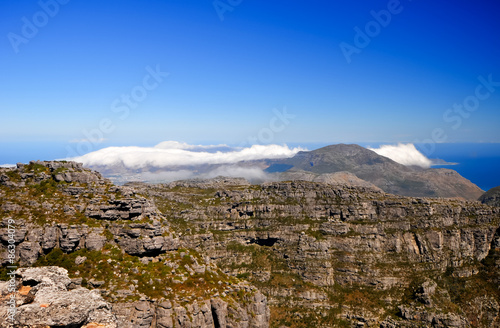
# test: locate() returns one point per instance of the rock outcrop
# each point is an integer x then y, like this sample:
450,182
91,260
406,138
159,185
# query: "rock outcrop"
46,298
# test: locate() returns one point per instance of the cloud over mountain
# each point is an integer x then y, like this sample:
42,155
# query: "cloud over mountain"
173,154
235,171
405,154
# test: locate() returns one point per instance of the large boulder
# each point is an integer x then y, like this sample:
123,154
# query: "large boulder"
46,297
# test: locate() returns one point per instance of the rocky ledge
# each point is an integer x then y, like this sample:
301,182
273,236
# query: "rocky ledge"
47,297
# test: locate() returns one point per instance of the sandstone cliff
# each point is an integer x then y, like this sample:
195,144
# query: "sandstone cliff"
116,243
224,253
333,256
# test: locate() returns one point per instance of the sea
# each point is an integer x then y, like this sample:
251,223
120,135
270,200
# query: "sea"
478,162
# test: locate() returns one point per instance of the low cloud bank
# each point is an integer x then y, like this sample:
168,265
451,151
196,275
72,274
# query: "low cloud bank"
249,173
173,154
196,148
405,154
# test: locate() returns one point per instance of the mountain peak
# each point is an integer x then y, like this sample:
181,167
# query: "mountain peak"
381,171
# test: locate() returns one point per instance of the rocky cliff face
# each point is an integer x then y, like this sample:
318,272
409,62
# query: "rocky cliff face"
116,243
224,253
347,256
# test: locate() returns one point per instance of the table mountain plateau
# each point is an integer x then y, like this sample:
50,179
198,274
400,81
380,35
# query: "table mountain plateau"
226,253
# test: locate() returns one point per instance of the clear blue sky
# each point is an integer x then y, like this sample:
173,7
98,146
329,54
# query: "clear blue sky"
226,76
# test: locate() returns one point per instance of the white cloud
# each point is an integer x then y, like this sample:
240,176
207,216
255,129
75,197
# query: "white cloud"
171,154
249,173
405,154
186,146
7,165
165,176
252,174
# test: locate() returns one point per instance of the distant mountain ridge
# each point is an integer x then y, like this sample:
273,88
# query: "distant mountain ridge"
491,197
378,170
339,164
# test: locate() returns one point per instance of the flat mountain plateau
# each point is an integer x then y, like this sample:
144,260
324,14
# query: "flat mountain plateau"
226,253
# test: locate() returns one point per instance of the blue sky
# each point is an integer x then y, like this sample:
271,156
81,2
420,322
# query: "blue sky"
65,79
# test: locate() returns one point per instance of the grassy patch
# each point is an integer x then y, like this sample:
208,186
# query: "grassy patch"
120,271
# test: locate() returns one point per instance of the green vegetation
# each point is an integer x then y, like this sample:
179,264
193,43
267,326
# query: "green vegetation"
36,168
59,170
119,270
315,233
4,270
13,175
45,188
109,235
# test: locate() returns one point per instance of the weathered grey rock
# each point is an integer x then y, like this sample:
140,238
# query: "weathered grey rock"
121,209
147,234
312,235
487,310
95,241
52,304
203,314
19,234
426,291
11,207
219,310
164,315
430,318
148,246
134,315
338,235
80,259
70,238
217,182
28,252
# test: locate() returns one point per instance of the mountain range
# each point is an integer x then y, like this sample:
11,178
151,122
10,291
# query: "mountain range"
382,172
335,164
